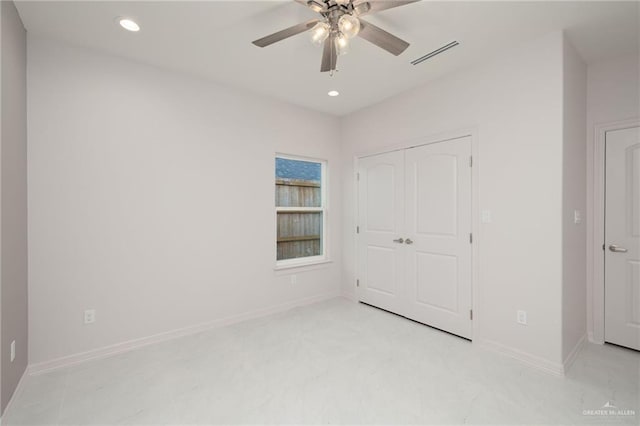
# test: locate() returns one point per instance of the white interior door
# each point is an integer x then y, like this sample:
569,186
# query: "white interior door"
381,222
622,238
438,225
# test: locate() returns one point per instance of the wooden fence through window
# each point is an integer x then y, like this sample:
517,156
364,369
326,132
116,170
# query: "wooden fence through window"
299,232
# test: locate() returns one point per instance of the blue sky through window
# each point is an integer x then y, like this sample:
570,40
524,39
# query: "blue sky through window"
297,169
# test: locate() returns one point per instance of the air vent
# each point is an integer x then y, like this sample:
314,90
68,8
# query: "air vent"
434,53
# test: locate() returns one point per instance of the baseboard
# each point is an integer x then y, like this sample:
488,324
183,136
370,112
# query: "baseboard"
542,364
592,339
569,360
119,348
16,393
350,296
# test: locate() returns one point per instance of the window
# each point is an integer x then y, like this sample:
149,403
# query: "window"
300,210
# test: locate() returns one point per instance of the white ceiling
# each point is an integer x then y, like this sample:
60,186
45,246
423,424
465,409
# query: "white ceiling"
212,39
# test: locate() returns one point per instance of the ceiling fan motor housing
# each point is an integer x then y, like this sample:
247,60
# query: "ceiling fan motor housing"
333,11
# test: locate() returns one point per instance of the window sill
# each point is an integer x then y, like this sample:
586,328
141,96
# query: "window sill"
315,264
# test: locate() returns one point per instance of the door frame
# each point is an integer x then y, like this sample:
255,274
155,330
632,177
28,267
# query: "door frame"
595,229
471,132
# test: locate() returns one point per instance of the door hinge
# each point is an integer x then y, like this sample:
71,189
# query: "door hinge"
358,176
603,247
357,283
471,161
470,238
357,229
471,314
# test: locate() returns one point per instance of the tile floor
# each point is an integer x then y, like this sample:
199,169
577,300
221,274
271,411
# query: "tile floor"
335,362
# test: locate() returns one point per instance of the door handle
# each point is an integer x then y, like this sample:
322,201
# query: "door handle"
399,241
408,241
617,249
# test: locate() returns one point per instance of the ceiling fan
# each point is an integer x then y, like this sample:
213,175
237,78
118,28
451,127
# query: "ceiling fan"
341,20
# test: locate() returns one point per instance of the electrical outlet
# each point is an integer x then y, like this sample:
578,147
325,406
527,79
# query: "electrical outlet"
13,350
89,316
522,317
294,279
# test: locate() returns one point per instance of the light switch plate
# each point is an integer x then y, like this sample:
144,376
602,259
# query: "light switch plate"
89,316
577,217
522,317
486,216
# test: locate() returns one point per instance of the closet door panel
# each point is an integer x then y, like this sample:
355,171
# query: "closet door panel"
438,226
381,221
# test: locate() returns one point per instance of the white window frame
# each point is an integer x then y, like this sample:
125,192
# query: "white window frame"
324,256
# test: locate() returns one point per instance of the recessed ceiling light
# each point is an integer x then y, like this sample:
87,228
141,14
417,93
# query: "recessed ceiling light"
333,93
129,24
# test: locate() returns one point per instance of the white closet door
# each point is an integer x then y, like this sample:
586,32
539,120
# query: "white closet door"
622,238
381,221
438,223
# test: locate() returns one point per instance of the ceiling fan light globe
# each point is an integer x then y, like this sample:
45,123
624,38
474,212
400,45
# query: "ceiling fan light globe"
342,44
319,33
349,25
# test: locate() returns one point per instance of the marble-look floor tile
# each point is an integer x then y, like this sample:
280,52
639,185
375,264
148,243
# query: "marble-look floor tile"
331,363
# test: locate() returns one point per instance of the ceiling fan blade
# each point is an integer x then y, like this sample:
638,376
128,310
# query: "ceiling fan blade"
286,33
373,6
381,38
329,55
315,5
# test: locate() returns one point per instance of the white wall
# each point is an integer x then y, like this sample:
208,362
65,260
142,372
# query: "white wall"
151,200
574,191
516,105
613,90
613,94
13,200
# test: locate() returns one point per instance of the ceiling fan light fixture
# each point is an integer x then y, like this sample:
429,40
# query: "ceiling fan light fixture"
342,44
349,25
361,8
319,33
339,21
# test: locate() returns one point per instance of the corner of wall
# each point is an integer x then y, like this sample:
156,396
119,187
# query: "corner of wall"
13,201
1,38
574,193
572,355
